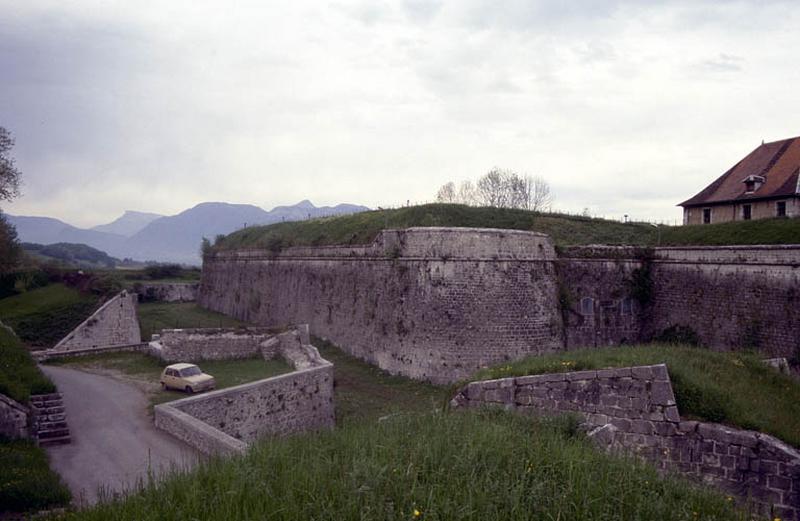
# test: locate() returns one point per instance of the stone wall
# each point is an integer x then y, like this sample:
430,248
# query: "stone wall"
633,409
182,345
228,420
167,291
14,418
114,324
430,303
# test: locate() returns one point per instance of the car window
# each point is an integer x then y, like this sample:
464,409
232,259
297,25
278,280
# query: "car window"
190,371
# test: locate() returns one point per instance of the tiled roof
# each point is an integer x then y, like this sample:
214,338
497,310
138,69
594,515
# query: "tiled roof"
777,162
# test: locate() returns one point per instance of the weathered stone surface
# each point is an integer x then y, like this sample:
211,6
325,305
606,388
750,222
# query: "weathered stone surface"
14,418
194,345
114,324
167,291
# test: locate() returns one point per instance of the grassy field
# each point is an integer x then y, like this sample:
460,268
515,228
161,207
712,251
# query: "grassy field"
477,465
733,388
43,316
155,316
361,228
26,481
366,393
146,370
19,375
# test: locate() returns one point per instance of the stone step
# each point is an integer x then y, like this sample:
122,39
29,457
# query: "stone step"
49,411
49,426
38,398
60,440
57,417
52,433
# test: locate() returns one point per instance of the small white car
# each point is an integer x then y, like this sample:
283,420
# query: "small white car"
186,377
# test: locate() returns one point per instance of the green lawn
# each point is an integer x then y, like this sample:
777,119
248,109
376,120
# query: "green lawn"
43,316
366,393
155,316
26,481
147,370
733,388
566,230
472,465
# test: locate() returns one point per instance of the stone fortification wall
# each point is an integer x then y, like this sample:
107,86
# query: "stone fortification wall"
633,409
428,303
167,292
177,345
114,324
730,296
14,418
228,420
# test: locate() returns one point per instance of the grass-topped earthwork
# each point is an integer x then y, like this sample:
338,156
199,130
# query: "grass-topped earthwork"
43,316
566,230
735,388
26,481
472,465
145,371
155,316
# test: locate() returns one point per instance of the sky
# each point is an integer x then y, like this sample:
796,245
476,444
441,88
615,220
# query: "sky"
623,107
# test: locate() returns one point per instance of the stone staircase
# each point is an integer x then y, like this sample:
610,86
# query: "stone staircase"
49,419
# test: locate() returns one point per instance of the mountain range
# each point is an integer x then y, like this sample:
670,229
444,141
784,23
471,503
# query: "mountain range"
174,238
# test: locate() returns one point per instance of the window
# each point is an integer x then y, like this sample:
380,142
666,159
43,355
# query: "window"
587,306
626,306
749,186
747,212
706,215
780,209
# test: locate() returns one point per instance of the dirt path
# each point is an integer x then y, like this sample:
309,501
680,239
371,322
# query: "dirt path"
114,443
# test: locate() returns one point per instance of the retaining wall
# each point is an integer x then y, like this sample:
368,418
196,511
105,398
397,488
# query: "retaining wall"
429,303
114,324
14,418
176,345
633,409
228,420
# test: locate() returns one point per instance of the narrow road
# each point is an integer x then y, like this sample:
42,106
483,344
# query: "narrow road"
114,442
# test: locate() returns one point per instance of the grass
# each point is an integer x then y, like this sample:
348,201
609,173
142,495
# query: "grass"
366,393
566,230
155,316
19,375
474,465
26,482
146,370
43,316
732,388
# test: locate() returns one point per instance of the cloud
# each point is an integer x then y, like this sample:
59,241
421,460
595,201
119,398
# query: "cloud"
724,63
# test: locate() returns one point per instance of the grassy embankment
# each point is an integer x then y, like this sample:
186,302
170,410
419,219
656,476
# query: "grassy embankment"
396,455
43,316
26,481
732,388
155,316
565,230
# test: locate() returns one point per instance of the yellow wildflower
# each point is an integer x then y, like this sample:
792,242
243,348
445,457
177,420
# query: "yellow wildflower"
417,513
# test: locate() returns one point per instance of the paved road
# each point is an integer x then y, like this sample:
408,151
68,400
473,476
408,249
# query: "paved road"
114,443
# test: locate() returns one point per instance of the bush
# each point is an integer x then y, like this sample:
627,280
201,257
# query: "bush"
162,271
678,334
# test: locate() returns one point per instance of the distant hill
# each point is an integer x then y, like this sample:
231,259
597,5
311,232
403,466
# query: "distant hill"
128,224
173,238
77,255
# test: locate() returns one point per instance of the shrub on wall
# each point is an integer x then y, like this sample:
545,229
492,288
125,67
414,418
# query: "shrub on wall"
678,334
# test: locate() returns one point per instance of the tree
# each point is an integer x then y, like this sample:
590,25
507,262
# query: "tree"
466,193
447,193
538,196
10,248
493,188
9,175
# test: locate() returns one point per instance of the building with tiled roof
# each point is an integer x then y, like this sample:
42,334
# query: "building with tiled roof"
763,184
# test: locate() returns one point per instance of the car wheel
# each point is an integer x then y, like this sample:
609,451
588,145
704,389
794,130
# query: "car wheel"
188,390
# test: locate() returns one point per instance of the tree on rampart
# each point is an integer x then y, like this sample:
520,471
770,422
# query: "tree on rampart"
500,188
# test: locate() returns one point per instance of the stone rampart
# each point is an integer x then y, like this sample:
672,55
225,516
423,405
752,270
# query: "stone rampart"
167,291
428,303
228,420
114,324
634,409
181,345
14,418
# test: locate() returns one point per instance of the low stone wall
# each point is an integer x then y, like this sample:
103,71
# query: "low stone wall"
633,409
114,324
180,345
14,418
228,420
50,354
167,292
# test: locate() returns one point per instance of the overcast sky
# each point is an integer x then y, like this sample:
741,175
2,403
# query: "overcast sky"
624,107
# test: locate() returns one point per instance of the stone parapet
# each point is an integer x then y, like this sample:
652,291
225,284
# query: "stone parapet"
633,409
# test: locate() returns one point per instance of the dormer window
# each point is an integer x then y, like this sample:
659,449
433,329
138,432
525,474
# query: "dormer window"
752,183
